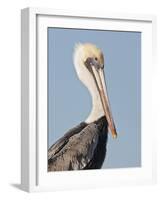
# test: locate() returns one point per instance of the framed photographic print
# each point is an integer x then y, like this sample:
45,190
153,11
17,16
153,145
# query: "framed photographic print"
86,108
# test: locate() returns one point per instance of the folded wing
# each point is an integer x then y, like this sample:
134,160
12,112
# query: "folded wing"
75,149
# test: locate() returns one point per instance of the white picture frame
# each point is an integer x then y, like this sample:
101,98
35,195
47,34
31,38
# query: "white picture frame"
34,175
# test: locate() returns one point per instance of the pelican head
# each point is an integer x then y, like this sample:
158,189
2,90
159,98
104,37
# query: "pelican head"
89,65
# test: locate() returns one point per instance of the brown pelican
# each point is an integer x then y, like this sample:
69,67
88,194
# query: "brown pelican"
84,146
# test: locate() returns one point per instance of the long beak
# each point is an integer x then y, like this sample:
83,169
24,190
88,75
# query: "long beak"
99,77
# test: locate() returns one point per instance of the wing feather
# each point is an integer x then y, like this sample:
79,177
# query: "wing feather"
77,152
56,147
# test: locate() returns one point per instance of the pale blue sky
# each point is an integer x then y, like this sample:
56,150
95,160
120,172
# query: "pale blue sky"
69,102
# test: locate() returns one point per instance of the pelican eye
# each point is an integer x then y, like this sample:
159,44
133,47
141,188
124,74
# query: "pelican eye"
96,58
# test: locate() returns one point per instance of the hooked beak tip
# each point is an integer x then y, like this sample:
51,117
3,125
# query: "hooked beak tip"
114,136
114,133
